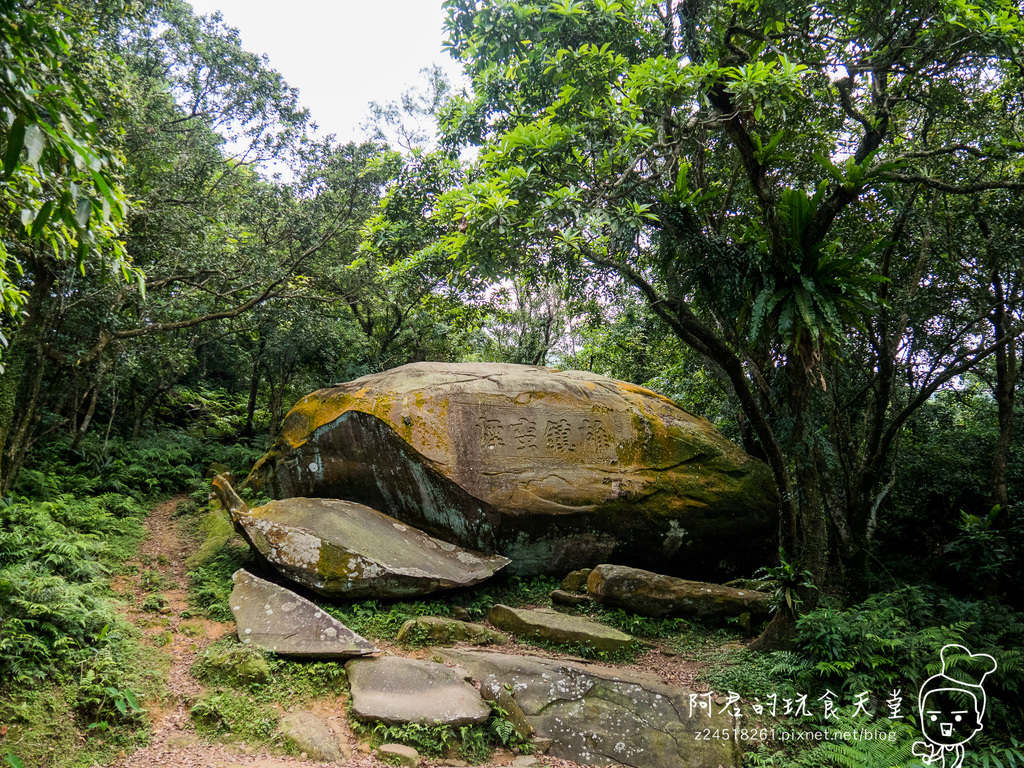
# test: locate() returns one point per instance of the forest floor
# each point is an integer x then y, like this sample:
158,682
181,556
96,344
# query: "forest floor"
175,742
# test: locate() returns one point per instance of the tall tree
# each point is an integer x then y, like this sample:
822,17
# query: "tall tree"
61,197
195,117
751,169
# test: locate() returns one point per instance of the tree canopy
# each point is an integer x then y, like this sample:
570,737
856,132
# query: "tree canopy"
784,185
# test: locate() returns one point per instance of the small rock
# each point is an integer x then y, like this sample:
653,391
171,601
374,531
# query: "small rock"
525,761
561,597
555,627
236,665
541,745
399,754
576,581
312,736
442,631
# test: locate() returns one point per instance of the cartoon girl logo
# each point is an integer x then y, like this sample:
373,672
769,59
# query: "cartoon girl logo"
951,708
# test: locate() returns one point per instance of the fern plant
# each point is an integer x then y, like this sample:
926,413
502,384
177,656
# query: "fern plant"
843,742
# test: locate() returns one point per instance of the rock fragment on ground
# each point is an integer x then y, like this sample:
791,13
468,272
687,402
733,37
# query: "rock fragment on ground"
561,597
576,581
395,690
439,630
342,549
652,594
597,716
399,754
272,617
559,628
311,734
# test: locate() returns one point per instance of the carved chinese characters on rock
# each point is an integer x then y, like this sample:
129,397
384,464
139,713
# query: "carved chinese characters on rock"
554,438
524,432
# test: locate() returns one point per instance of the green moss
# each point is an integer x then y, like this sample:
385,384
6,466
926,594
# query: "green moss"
217,531
237,665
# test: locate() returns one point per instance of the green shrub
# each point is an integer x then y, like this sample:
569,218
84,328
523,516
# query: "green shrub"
892,641
235,712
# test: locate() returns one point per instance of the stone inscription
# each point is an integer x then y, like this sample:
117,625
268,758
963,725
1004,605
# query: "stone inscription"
544,437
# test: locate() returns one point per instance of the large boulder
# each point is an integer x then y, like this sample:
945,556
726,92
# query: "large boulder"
342,549
553,469
653,594
600,716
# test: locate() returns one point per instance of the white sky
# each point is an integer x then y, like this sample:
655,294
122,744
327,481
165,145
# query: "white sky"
341,54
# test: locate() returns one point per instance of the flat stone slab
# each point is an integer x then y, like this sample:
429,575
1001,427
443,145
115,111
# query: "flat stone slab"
600,716
561,597
311,734
652,594
396,690
559,628
277,619
439,630
342,549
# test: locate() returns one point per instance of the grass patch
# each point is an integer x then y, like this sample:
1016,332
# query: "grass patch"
209,584
249,682
473,743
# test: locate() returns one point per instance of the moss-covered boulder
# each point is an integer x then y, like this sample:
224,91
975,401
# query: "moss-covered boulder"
342,549
553,469
653,594
440,630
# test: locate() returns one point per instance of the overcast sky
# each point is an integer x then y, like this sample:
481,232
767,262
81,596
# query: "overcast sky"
340,54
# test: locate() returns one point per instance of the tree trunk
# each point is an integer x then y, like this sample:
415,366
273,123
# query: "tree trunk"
1007,373
24,344
148,403
14,360
254,388
91,410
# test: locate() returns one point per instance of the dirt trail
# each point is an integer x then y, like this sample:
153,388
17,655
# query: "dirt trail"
175,743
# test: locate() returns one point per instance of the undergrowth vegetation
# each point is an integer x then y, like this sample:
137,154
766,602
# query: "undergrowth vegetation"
71,683
58,625
69,664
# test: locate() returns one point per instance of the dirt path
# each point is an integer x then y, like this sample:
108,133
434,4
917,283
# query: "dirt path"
175,743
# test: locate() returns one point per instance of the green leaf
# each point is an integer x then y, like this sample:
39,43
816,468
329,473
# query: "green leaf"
41,218
35,143
82,212
13,760
130,698
15,141
682,178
